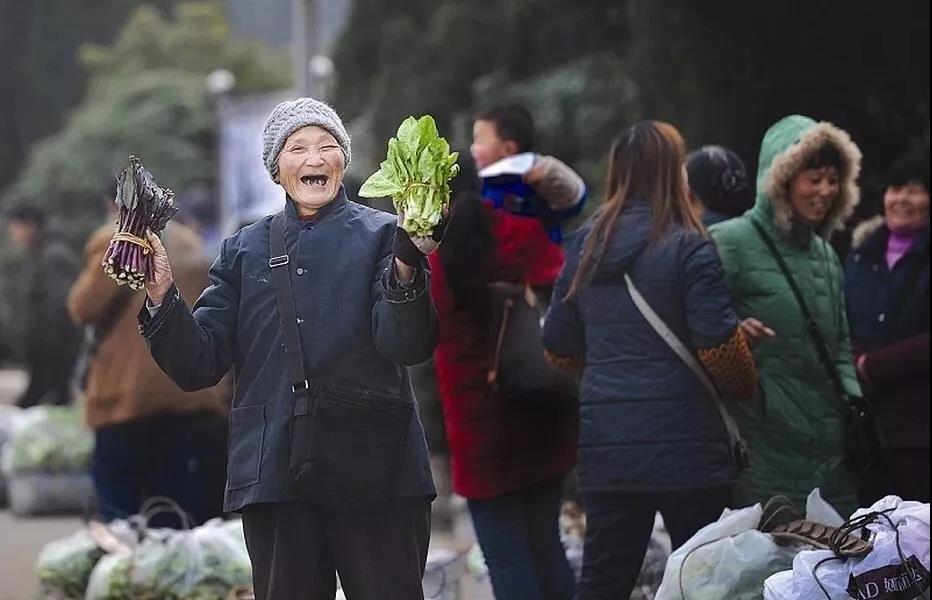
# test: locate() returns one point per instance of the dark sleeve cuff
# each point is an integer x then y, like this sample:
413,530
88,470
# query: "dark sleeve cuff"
150,325
398,292
904,359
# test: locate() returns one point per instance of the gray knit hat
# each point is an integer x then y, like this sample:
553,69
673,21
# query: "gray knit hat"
292,115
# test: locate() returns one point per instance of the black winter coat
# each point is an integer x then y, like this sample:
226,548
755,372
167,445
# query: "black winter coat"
646,422
357,330
888,312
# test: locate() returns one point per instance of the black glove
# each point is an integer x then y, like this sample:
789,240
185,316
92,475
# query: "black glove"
412,251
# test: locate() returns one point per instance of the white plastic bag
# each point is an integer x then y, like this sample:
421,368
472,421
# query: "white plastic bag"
880,575
731,558
203,563
820,511
442,575
65,565
9,415
31,494
48,439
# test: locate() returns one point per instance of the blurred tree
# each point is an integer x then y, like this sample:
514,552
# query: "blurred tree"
39,78
146,96
721,71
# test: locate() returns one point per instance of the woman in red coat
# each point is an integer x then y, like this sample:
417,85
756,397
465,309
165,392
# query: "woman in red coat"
509,455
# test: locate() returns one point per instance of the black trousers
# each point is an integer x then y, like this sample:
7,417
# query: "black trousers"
182,456
380,553
905,473
49,381
618,530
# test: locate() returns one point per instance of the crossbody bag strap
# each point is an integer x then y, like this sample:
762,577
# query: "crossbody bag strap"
281,280
812,327
680,349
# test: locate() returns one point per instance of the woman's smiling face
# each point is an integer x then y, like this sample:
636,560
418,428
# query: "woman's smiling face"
813,193
310,168
906,207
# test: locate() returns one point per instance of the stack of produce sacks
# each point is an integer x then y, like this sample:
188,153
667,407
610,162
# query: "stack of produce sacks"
204,563
46,461
731,558
126,560
65,565
896,567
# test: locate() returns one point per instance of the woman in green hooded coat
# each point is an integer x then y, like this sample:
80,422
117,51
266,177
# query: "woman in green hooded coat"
796,429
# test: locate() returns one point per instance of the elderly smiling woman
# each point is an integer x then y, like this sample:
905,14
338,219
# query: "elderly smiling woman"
317,309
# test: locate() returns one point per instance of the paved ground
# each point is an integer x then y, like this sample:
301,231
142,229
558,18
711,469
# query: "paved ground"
22,539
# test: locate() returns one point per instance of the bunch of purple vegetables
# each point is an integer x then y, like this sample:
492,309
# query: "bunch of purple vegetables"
143,206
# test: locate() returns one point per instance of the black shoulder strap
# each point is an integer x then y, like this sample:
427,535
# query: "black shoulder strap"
281,279
811,325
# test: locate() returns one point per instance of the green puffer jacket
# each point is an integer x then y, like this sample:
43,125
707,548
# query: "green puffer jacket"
795,427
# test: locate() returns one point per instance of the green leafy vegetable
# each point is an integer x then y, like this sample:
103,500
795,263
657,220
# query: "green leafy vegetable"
204,563
65,565
416,175
49,439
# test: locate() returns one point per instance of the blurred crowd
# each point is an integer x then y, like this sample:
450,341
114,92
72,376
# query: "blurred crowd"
703,345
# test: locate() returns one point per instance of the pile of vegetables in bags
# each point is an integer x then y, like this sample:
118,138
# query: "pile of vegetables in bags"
9,415
732,557
46,461
893,565
127,560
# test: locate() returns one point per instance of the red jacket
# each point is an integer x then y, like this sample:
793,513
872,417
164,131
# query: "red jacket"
498,446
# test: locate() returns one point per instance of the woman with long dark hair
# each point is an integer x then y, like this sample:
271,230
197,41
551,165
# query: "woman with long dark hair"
509,453
651,436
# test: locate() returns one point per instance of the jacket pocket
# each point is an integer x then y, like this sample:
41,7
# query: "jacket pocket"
349,446
247,434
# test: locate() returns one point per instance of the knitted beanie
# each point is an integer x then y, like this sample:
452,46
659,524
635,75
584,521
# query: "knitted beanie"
292,115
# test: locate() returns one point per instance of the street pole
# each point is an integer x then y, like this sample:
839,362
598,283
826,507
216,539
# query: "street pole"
302,45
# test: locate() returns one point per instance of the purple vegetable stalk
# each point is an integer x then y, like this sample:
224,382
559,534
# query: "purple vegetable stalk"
143,206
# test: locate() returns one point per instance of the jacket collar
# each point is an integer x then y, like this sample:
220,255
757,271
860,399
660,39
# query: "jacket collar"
876,244
334,207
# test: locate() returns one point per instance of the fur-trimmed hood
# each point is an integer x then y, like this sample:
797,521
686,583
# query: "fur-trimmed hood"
865,230
784,150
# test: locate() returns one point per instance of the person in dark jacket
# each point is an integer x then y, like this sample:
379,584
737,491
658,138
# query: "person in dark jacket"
887,292
330,472
650,436
50,340
718,184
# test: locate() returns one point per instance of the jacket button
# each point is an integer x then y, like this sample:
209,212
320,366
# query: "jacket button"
881,318
301,271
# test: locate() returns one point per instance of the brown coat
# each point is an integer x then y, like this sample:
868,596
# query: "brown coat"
123,381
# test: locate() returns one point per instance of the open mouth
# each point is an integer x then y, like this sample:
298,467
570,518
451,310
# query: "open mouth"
315,180
819,206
